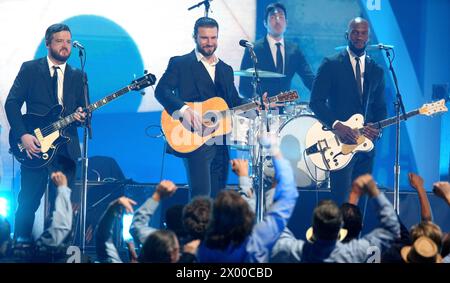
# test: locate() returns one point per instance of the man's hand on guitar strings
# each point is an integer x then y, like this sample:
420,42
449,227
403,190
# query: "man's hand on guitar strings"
80,115
192,120
346,134
31,145
371,132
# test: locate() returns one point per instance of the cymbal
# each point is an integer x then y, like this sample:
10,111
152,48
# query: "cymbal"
262,74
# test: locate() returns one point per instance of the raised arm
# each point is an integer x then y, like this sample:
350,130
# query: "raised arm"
61,224
106,251
388,228
417,183
266,233
140,228
240,168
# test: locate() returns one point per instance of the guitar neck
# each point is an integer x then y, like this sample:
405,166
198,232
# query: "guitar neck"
69,119
388,122
252,105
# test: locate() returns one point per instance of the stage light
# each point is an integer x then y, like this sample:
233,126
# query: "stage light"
4,207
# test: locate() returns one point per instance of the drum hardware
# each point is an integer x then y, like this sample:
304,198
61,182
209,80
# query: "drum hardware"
292,133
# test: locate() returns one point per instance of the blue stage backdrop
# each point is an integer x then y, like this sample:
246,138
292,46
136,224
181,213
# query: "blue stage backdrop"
124,38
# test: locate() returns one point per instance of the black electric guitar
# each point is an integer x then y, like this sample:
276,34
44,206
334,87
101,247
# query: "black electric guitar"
49,128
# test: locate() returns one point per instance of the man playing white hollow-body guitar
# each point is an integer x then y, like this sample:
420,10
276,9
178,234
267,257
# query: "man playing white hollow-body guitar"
347,84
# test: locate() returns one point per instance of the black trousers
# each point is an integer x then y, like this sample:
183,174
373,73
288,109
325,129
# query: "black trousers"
207,170
341,180
33,185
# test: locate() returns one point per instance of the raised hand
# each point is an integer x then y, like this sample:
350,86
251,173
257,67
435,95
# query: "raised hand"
126,203
415,181
442,190
366,184
239,167
59,179
164,189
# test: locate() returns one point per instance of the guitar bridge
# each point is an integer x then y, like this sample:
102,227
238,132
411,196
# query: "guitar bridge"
323,146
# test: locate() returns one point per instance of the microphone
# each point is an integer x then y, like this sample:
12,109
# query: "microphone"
249,45
245,43
384,46
78,45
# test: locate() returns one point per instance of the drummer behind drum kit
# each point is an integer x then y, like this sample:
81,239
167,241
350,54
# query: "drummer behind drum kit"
291,127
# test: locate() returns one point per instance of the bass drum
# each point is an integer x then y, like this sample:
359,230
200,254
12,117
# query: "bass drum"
292,136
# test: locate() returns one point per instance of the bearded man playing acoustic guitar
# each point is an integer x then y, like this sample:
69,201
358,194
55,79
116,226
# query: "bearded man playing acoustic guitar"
195,77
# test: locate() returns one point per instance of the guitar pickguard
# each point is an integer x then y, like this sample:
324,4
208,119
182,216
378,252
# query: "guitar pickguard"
47,142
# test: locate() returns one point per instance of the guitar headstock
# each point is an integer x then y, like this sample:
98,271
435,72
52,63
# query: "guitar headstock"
286,96
143,82
433,108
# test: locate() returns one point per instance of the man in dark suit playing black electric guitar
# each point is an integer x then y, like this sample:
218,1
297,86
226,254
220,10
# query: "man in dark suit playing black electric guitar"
346,84
42,84
195,77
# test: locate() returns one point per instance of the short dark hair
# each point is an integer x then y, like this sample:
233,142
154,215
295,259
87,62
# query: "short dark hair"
231,223
352,217
204,22
327,220
272,7
158,247
174,220
54,29
196,216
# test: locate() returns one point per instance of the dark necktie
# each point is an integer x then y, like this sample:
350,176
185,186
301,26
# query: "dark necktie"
358,76
279,58
55,83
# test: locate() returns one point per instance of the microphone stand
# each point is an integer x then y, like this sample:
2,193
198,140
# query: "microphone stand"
260,156
398,106
207,6
84,159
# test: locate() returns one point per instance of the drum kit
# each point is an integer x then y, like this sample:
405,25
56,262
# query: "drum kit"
291,127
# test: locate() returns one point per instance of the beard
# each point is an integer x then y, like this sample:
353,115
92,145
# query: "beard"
356,51
205,52
58,57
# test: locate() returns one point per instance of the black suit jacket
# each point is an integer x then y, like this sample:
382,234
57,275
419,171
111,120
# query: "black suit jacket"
294,62
335,95
187,80
33,86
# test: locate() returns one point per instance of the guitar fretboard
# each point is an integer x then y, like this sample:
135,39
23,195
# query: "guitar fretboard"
391,121
69,119
249,106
